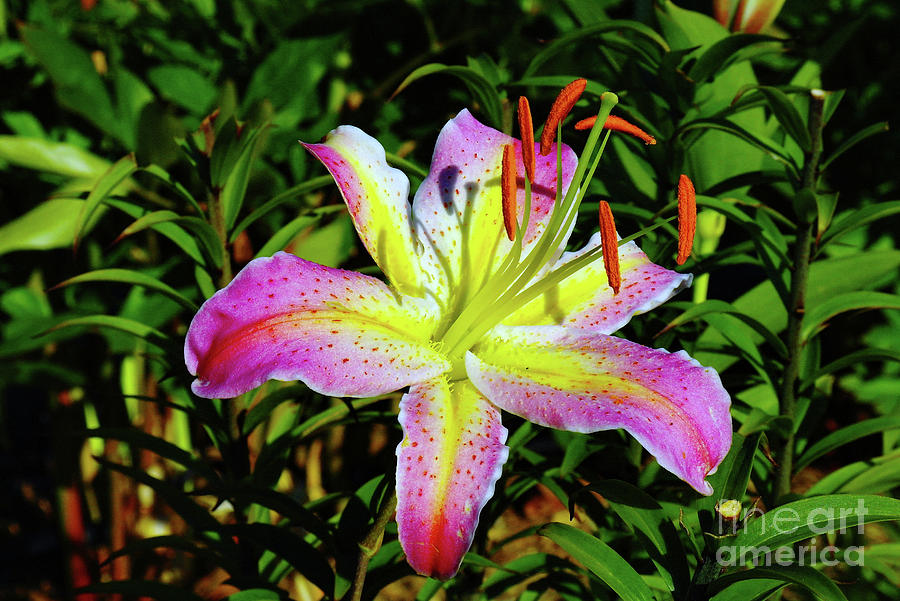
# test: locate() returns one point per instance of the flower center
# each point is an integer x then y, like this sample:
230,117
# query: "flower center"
512,285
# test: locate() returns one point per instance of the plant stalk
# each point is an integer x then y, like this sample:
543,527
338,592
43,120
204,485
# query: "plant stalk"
797,301
370,545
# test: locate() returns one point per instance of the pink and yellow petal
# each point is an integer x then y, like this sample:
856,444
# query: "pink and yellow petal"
284,318
377,196
448,462
585,299
458,210
584,381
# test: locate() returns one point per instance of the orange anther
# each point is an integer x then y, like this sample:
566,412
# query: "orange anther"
561,107
610,243
687,218
508,190
618,124
526,130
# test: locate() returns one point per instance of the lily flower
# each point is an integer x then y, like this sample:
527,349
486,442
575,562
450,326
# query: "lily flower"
472,320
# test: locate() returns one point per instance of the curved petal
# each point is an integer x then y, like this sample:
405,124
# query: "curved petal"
584,381
585,299
457,209
450,457
377,196
283,318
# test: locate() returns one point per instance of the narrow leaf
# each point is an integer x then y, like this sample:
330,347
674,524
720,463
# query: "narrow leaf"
128,276
115,175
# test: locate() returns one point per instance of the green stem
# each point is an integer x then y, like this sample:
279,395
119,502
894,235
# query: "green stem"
370,545
217,220
797,301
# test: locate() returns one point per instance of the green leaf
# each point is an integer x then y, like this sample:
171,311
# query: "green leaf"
653,528
288,195
718,306
302,556
600,559
787,115
78,85
863,134
815,317
52,157
481,89
160,446
283,237
105,185
583,34
51,224
716,56
799,520
202,230
807,577
858,218
184,86
827,278
235,187
170,230
769,147
128,276
757,589
171,541
122,324
255,594
855,358
196,516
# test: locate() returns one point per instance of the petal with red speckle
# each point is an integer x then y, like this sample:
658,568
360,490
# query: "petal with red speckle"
585,299
284,318
584,381
457,209
450,457
377,196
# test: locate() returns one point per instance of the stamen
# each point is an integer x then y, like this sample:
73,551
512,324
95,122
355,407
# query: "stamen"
618,124
687,218
609,241
526,130
561,107
508,190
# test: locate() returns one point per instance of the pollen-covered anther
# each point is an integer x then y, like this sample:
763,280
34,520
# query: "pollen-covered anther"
560,109
618,124
508,190
687,218
526,130
610,243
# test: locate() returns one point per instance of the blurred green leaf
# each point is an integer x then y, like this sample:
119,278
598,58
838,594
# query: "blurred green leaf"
844,436
255,594
720,53
105,185
128,276
481,89
52,157
122,324
184,86
78,85
600,559
815,318
586,33
856,218
51,224
863,134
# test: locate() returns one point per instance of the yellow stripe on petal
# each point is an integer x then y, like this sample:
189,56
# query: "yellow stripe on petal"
585,300
450,457
377,196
